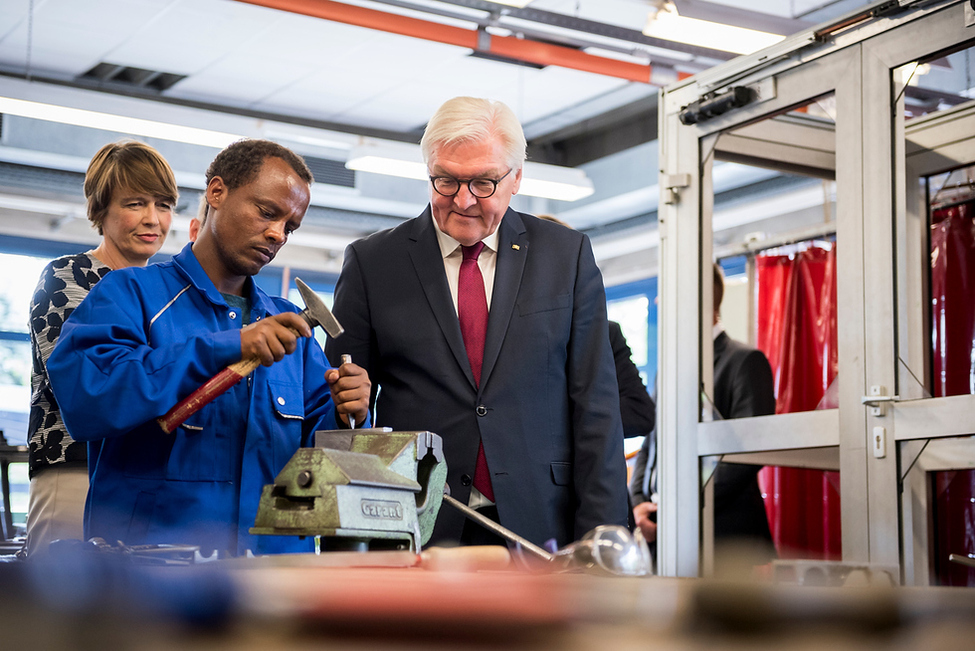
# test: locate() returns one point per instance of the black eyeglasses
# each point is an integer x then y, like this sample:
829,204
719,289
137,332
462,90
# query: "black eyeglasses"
448,186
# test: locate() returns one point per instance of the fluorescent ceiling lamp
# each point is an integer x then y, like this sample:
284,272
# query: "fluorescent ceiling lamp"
313,138
389,158
42,206
405,161
555,182
512,3
117,123
667,24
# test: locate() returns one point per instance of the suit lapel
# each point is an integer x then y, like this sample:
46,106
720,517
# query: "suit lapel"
512,252
428,262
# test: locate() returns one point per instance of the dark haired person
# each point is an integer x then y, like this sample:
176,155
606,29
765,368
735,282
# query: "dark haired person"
147,338
743,387
131,194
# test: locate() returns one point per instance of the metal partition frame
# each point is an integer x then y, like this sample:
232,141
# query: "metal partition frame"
924,427
876,237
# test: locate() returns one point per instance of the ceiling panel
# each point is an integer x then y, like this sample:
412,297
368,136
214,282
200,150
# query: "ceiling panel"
120,16
190,36
54,52
625,13
65,38
784,8
311,40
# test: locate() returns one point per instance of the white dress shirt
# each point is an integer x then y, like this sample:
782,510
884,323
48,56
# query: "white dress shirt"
453,256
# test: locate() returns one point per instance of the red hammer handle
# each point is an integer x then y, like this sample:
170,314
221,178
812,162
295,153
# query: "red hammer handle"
203,396
212,388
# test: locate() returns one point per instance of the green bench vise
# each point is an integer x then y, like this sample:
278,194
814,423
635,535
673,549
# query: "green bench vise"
363,490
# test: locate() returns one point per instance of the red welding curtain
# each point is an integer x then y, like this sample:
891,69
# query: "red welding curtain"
953,364
796,297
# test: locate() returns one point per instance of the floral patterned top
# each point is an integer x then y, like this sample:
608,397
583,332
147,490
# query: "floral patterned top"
64,283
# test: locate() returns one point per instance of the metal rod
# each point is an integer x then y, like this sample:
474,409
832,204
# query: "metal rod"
490,524
347,359
967,561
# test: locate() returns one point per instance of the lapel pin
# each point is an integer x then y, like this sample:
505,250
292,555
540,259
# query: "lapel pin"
516,247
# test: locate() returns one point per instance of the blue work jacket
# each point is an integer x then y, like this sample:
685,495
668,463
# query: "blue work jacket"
144,339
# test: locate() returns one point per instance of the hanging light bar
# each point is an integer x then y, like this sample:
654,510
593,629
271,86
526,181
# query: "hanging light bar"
405,161
665,23
116,123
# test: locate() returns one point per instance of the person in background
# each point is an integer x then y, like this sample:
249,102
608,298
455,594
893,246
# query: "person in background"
145,339
488,327
743,387
636,406
131,194
638,414
643,486
196,223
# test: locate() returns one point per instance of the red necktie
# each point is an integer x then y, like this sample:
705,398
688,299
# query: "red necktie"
473,314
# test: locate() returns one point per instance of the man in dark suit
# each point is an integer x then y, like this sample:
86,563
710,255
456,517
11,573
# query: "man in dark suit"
523,388
743,386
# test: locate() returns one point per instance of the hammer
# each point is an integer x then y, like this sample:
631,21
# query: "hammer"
315,313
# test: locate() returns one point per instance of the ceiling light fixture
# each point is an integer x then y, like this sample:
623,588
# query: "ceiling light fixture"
389,158
555,182
664,22
512,3
116,123
405,161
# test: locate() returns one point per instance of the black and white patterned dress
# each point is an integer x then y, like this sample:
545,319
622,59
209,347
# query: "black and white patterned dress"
64,283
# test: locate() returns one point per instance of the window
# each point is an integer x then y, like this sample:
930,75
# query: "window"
18,278
634,307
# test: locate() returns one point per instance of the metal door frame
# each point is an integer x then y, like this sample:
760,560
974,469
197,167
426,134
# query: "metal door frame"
874,235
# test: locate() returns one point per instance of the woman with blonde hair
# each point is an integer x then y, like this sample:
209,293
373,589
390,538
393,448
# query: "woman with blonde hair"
131,194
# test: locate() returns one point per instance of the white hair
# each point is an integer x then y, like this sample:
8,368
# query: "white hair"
472,119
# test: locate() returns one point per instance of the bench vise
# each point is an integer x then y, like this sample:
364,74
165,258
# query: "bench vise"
362,490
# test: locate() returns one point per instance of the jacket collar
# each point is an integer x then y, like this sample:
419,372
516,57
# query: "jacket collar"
428,263
188,264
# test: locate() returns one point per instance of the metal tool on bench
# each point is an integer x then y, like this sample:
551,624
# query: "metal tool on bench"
316,313
608,549
367,489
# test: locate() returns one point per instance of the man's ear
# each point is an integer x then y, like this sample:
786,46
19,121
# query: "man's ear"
517,184
216,192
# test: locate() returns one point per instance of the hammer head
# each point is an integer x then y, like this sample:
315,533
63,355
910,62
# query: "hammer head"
316,313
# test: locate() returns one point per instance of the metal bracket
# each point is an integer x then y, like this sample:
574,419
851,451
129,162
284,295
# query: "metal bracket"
483,40
673,183
877,400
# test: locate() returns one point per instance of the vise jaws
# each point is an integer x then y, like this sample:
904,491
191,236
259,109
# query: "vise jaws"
362,490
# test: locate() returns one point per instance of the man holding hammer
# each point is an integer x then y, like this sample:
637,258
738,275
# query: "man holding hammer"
146,340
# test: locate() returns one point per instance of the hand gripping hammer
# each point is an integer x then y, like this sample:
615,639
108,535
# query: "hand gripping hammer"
315,313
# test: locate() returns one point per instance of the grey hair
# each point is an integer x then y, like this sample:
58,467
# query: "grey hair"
472,119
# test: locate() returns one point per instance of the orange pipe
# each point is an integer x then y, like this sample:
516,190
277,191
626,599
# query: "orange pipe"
373,19
506,46
547,54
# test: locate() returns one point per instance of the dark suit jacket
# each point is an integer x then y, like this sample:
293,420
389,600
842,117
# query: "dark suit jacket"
636,405
743,386
547,408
